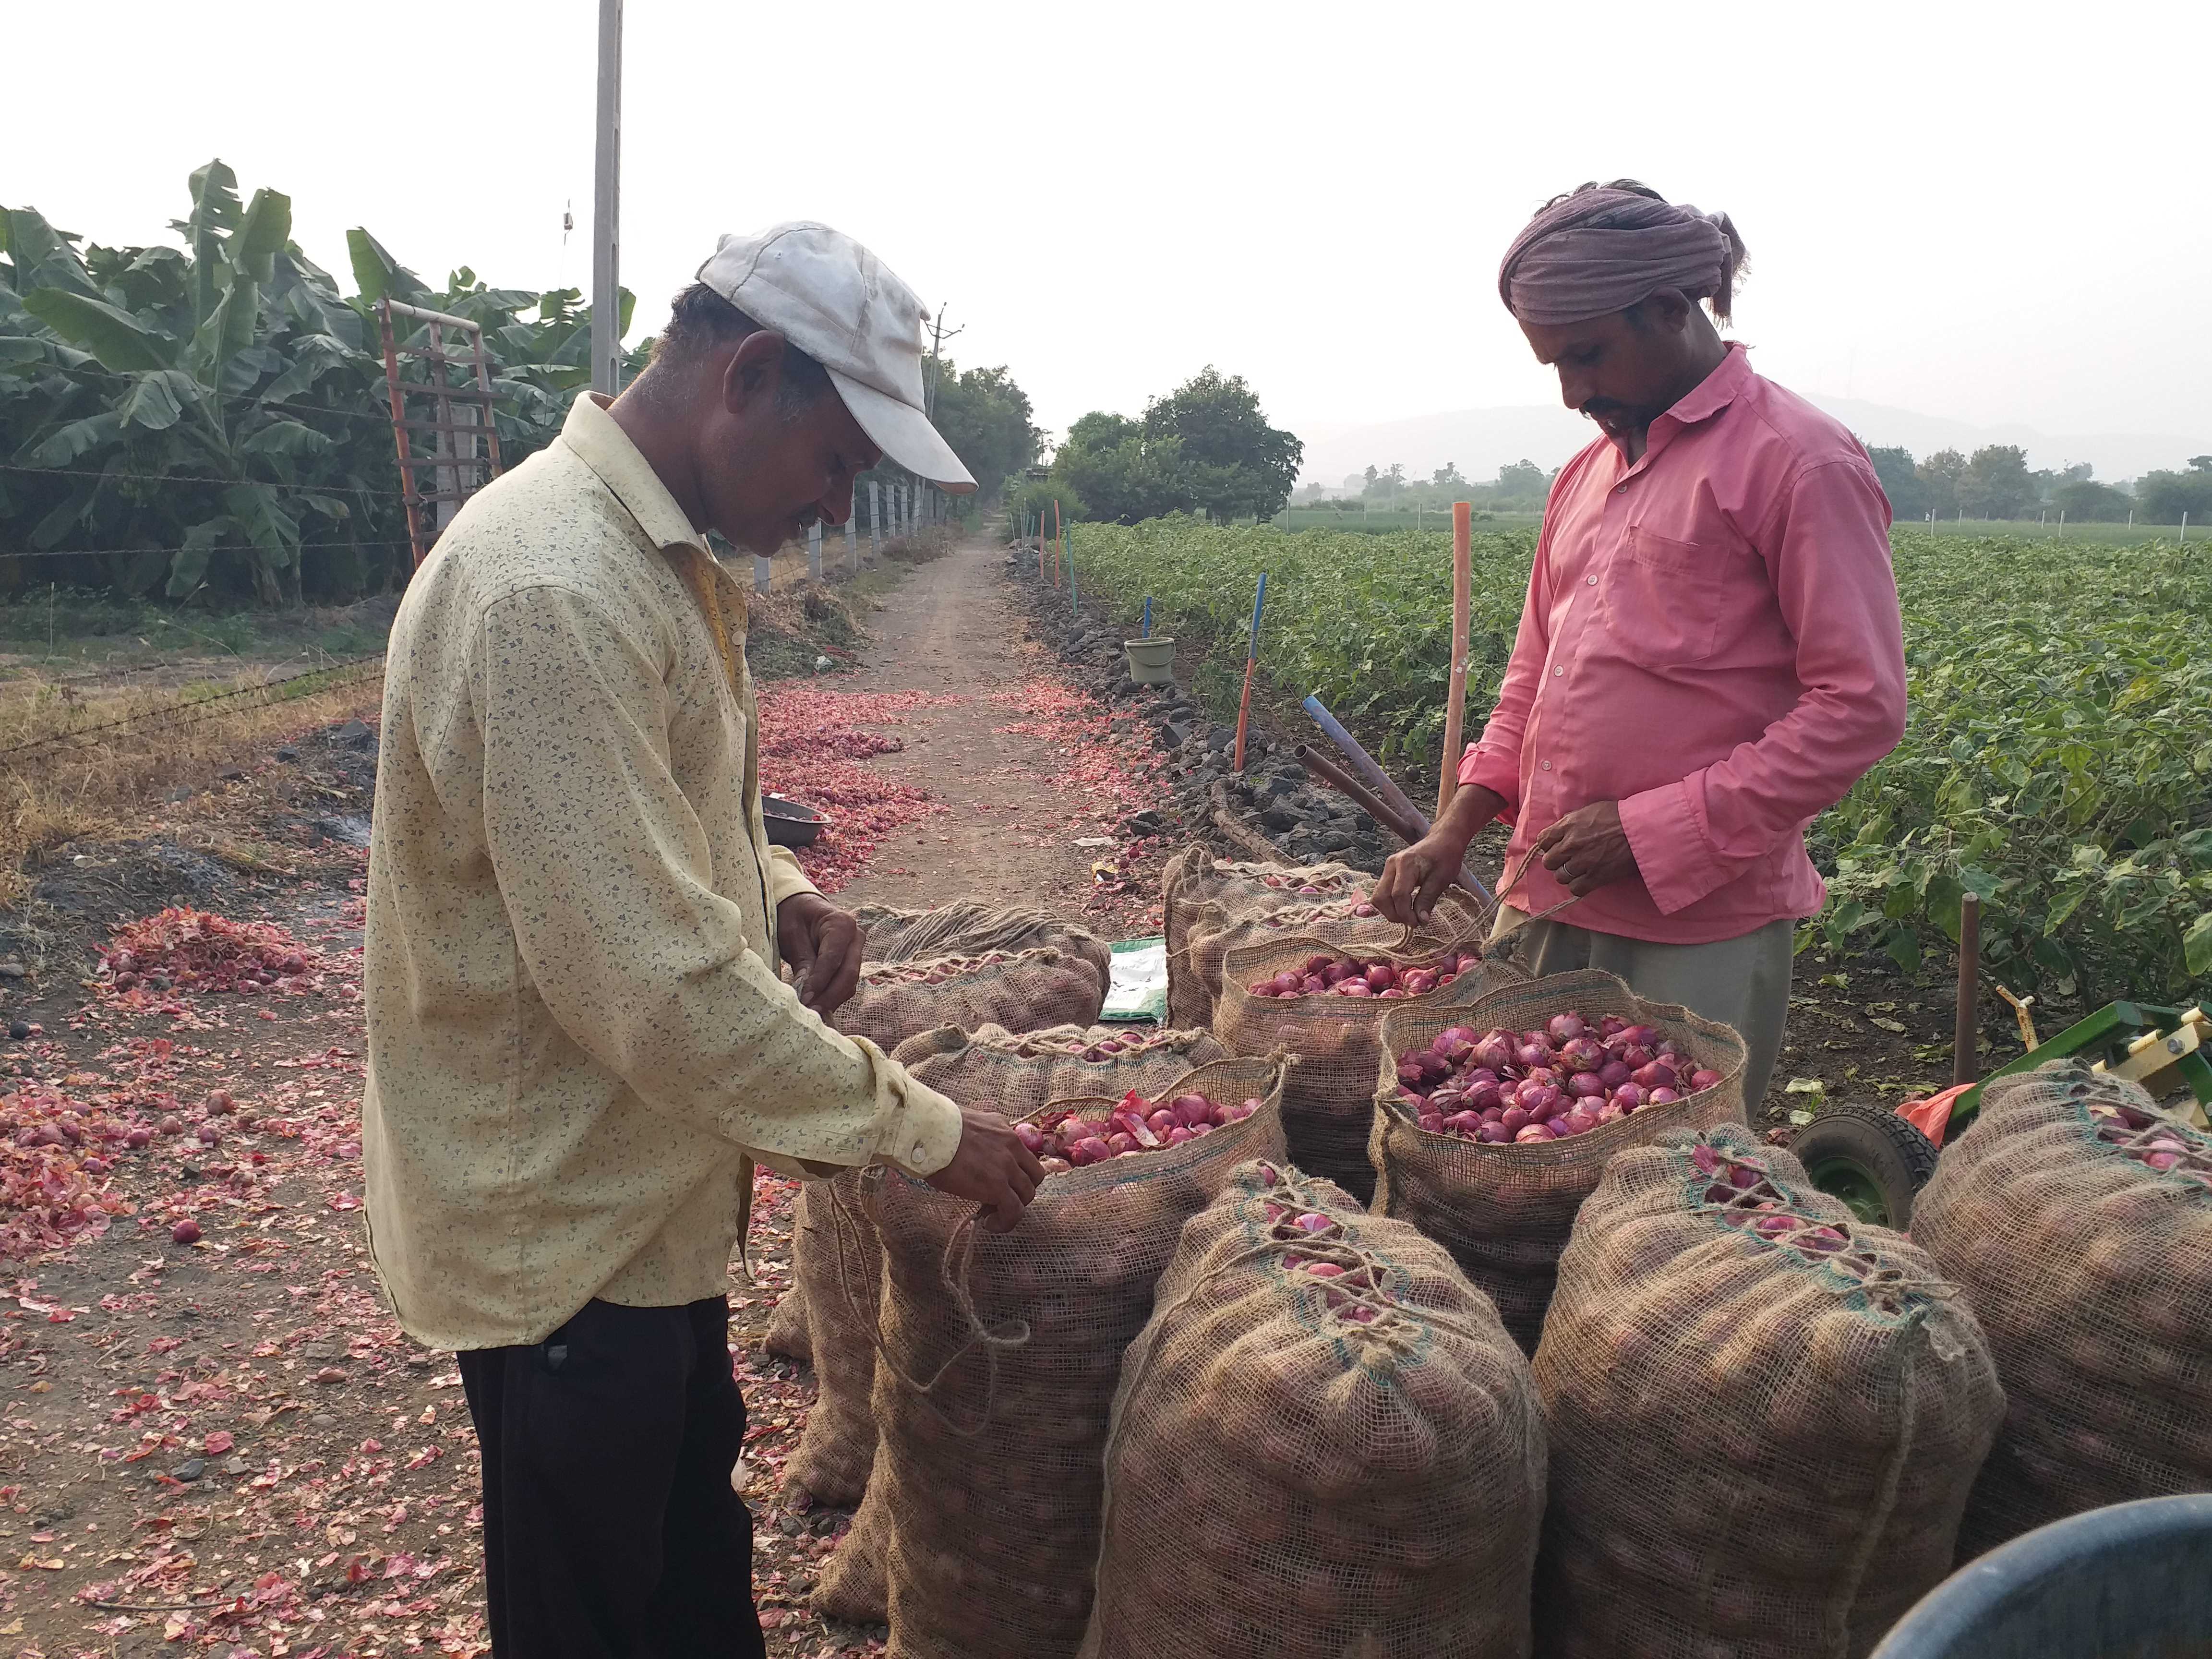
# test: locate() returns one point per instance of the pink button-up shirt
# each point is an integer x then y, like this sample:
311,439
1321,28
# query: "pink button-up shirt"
1711,639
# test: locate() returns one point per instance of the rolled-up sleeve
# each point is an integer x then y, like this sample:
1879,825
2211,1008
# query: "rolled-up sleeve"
1828,555
604,868
1493,760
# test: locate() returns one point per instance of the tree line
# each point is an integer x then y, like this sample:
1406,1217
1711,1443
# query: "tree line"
209,422
1994,482
1205,447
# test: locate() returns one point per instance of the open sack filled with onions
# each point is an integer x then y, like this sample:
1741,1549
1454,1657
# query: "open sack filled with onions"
835,1263
1763,1416
1019,990
1326,1004
1194,879
2078,1220
1014,1073
968,928
1351,925
1001,1354
1323,1445
1491,1122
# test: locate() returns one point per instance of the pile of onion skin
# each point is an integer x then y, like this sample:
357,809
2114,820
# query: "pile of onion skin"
1523,1088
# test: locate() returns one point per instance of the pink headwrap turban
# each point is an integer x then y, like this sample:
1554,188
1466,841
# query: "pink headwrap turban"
1602,250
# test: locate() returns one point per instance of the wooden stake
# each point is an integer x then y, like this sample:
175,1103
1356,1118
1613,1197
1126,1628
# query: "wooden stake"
1456,687
1966,1036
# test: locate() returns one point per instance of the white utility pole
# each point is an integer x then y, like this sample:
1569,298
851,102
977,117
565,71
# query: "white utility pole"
606,209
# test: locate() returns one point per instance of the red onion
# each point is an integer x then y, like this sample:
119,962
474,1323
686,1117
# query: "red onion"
1382,976
1564,1029
1634,1056
186,1231
1661,1096
1615,1073
1513,1120
1354,987
1531,1133
1287,982
1030,1136
1702,1079
1494,1053
1530,1055
1586,1085
1658,1075
1467,964
1453,1042
1493,1135
1338,972
1417,981
1628,1097
1485,1097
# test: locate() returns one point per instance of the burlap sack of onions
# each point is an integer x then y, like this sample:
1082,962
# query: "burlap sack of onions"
999,1356
1763,1416
2079,1222
1501,1196
1323,1443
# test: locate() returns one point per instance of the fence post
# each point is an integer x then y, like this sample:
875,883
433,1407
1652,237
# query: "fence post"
760,574
814,551
852,543
875,521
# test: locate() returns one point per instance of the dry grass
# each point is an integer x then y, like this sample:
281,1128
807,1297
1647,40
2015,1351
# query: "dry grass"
83,772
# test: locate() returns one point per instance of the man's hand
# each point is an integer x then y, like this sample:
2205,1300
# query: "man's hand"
1588,849
993,1168
1414,880
823,945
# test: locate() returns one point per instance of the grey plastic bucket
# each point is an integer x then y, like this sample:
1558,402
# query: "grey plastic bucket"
2132,1581
1152,662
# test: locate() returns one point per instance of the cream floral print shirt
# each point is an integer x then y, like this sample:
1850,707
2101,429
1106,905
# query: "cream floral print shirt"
577,1033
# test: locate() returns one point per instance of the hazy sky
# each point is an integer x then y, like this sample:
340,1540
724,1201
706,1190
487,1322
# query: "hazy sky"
1988,211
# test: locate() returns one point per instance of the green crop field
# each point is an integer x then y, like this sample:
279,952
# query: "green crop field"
1370,523
2059,760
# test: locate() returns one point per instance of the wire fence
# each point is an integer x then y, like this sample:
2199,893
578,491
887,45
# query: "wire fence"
190,711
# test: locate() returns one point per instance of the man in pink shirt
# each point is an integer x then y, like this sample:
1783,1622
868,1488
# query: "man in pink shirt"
1710,653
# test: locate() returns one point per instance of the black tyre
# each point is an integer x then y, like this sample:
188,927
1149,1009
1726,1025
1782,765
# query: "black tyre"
1872,1159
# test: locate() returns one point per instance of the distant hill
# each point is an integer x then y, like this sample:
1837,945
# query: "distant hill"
1481,441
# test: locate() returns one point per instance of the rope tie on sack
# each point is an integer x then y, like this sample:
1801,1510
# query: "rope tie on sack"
1800,1226
960,1242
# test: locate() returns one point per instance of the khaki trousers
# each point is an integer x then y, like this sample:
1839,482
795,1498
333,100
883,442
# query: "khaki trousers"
1742,983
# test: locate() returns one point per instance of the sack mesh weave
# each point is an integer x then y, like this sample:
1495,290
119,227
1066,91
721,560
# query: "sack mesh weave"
1328,1104
1284,1481
1504,1212
853,1583
1015,1072
836,1265
786,1325
1029,989
1194,878
838,1447
1763,1423
999,1360
969,927
2092,1272
1351,925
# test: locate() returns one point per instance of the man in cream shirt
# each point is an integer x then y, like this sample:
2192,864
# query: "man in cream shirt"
579,1038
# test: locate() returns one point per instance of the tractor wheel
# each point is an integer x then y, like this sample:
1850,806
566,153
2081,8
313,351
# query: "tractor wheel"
1872,1159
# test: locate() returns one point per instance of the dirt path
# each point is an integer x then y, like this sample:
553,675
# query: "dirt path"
1015,814
227,1446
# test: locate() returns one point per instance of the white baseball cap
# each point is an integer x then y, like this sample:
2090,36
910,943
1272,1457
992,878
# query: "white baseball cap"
843,308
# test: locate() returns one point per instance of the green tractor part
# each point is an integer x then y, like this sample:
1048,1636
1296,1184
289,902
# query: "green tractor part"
1876,1159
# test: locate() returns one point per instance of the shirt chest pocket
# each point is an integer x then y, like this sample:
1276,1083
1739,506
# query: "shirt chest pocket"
1663,598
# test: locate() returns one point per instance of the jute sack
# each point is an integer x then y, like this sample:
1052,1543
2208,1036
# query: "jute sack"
1020,990
1015,1072
1353,924
1194,878
969,927
1504,1212
837,1262
853,1584
2080,1224
1763,1416
1323,1443
997,1371
1328,1104
835,1268
786,1326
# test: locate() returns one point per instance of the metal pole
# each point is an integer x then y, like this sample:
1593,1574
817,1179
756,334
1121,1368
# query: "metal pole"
852,543
814,551
875,519
760,574
606,209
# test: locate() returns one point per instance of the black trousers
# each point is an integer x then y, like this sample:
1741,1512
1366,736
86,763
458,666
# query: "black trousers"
611,1530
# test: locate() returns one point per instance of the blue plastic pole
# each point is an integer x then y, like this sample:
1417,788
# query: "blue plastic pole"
1252,653
1147,634
1376,778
